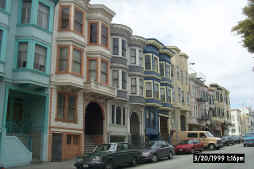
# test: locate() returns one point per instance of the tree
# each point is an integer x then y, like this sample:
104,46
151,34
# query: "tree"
245,28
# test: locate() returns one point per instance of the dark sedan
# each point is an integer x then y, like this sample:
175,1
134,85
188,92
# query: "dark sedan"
156,150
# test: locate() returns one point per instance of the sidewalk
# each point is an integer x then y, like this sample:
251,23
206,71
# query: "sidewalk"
49,165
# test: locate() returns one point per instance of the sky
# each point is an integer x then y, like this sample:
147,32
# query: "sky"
202,30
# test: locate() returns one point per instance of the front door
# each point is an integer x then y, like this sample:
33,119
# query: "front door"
57,147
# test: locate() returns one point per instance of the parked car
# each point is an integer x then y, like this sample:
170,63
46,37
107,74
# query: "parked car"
156,150
227,140
189,146
108,156
248,140
237,139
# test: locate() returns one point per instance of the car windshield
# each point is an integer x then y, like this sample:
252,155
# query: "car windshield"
208,134
185,142
103,147
249,135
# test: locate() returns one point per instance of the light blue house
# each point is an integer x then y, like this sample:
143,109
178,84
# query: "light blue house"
26,28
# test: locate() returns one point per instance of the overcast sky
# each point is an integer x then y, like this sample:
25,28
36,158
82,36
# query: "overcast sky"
200,28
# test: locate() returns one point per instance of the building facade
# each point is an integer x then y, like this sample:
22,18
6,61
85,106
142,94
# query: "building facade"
235,129
26,29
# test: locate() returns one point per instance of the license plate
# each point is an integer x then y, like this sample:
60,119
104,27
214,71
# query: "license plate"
85,165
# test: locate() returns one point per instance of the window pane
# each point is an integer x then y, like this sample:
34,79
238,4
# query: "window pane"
78,21
26,11
22,54
167,70
92,70
76,61
63,59
69,139
118,115
115,46
71,108
43,16
141,88
60,106
76,139
148,62
93,33
113,114
124,48
133,86
104,35
155,66
115,79
104,72
162,69
156,91
149,89
1,39
65,22
133,56
2,4
40,58
163,95
124,80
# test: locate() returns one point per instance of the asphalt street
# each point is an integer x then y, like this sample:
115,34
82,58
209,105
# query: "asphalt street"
186,161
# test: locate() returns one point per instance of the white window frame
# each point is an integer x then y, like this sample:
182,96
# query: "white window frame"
136,84
164,66
145,84
151,61
169,92
157,83
163,88
158,64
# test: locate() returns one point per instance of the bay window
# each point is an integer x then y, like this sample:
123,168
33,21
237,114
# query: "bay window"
93,32
62,59
26,11
133,85
148,64
148,89
1,39
115,78
43,16
66,107
104,35
167,70
141,84
118,115
92,67
133,55
78,21
124,80
64,20
169,96
156,64
22,54
163,94
104,72
162,69
140,58
115,46
77,60
40,58
156,92
124,48
2,4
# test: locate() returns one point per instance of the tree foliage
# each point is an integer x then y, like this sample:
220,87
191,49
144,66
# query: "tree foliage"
245,28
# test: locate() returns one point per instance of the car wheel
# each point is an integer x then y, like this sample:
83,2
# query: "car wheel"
155,158
211,147
134,162
170,155
109,166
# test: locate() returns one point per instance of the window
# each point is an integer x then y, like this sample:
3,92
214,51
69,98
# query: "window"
167,70
76,60
162,70
183,97
124,115
113,114
163,95
115,79
141,88
124,48
156,91
72,139
148,64
104,35
43,16
133,85
155,64
1,38
140,58
68,139
92,66
169,98
104,72
22,54
66,107
26,11
133,55
147,119
124,80
78,21
75,139
149,87
2,4
172,71
118,115
63,53
194,135
93,37
115,46
152,119
64,18
40,58
179,95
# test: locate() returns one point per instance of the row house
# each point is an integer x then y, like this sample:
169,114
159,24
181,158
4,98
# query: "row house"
26,29
180,91
236,127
